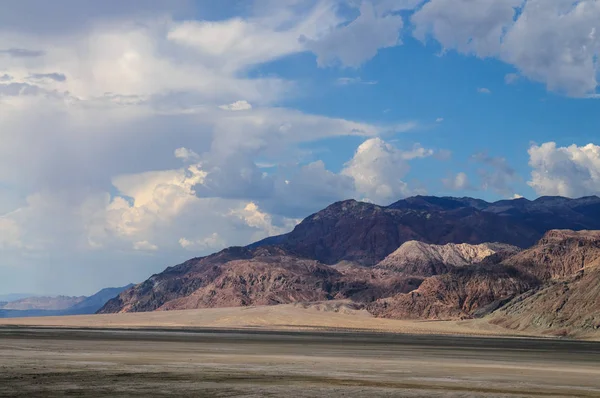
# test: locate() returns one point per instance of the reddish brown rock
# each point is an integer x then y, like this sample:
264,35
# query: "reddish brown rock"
468,292
262,276
559,254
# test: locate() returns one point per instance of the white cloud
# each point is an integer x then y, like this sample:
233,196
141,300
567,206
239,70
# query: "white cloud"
460,182
553,42
237,106
470,27
439,120
354,43
571,171
109,93
484,90
557,43
377,168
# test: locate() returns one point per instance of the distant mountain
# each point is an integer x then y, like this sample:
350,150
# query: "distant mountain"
93,303
60,305
43,303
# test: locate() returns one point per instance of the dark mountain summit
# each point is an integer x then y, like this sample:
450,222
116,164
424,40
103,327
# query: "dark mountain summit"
366,233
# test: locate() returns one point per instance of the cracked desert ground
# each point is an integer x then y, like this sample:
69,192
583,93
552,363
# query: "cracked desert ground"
285,350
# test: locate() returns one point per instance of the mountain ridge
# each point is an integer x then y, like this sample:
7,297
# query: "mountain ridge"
345,252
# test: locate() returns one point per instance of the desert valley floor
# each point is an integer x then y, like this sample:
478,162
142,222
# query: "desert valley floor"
266,351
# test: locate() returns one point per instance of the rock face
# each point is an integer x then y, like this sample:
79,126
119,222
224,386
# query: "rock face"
555,274
569,303
467,292
560,254
570,307
262,276
422,259
365,233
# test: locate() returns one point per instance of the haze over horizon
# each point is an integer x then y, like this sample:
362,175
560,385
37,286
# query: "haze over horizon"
136,135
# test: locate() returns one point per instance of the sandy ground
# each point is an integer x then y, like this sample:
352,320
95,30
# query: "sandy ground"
281,317
92,363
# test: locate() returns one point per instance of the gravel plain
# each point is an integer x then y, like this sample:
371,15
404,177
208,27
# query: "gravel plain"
53,362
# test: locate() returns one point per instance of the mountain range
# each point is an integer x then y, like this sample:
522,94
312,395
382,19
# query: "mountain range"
58,305
420,258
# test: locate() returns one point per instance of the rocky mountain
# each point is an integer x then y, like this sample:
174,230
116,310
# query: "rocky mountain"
43,303
422,259
365,233
466,292
570,307
554,285
260,276
560,254
60,305
569,303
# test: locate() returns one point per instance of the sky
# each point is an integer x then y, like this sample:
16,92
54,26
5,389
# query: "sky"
137,134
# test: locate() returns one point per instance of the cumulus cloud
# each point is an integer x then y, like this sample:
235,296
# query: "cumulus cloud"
116,95
358,41
377,168
460,182
470,27
571,171
553,42
557,43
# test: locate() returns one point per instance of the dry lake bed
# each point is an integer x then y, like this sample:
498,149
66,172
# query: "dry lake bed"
217,363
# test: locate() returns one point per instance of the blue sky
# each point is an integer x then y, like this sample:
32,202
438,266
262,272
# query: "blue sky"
136,135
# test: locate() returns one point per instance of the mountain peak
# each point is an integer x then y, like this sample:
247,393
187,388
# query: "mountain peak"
418,258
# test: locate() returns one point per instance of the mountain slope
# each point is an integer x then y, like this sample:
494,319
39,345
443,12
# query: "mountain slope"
366,233
466,292
262,276
569,304
560,254
422,259
570,307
